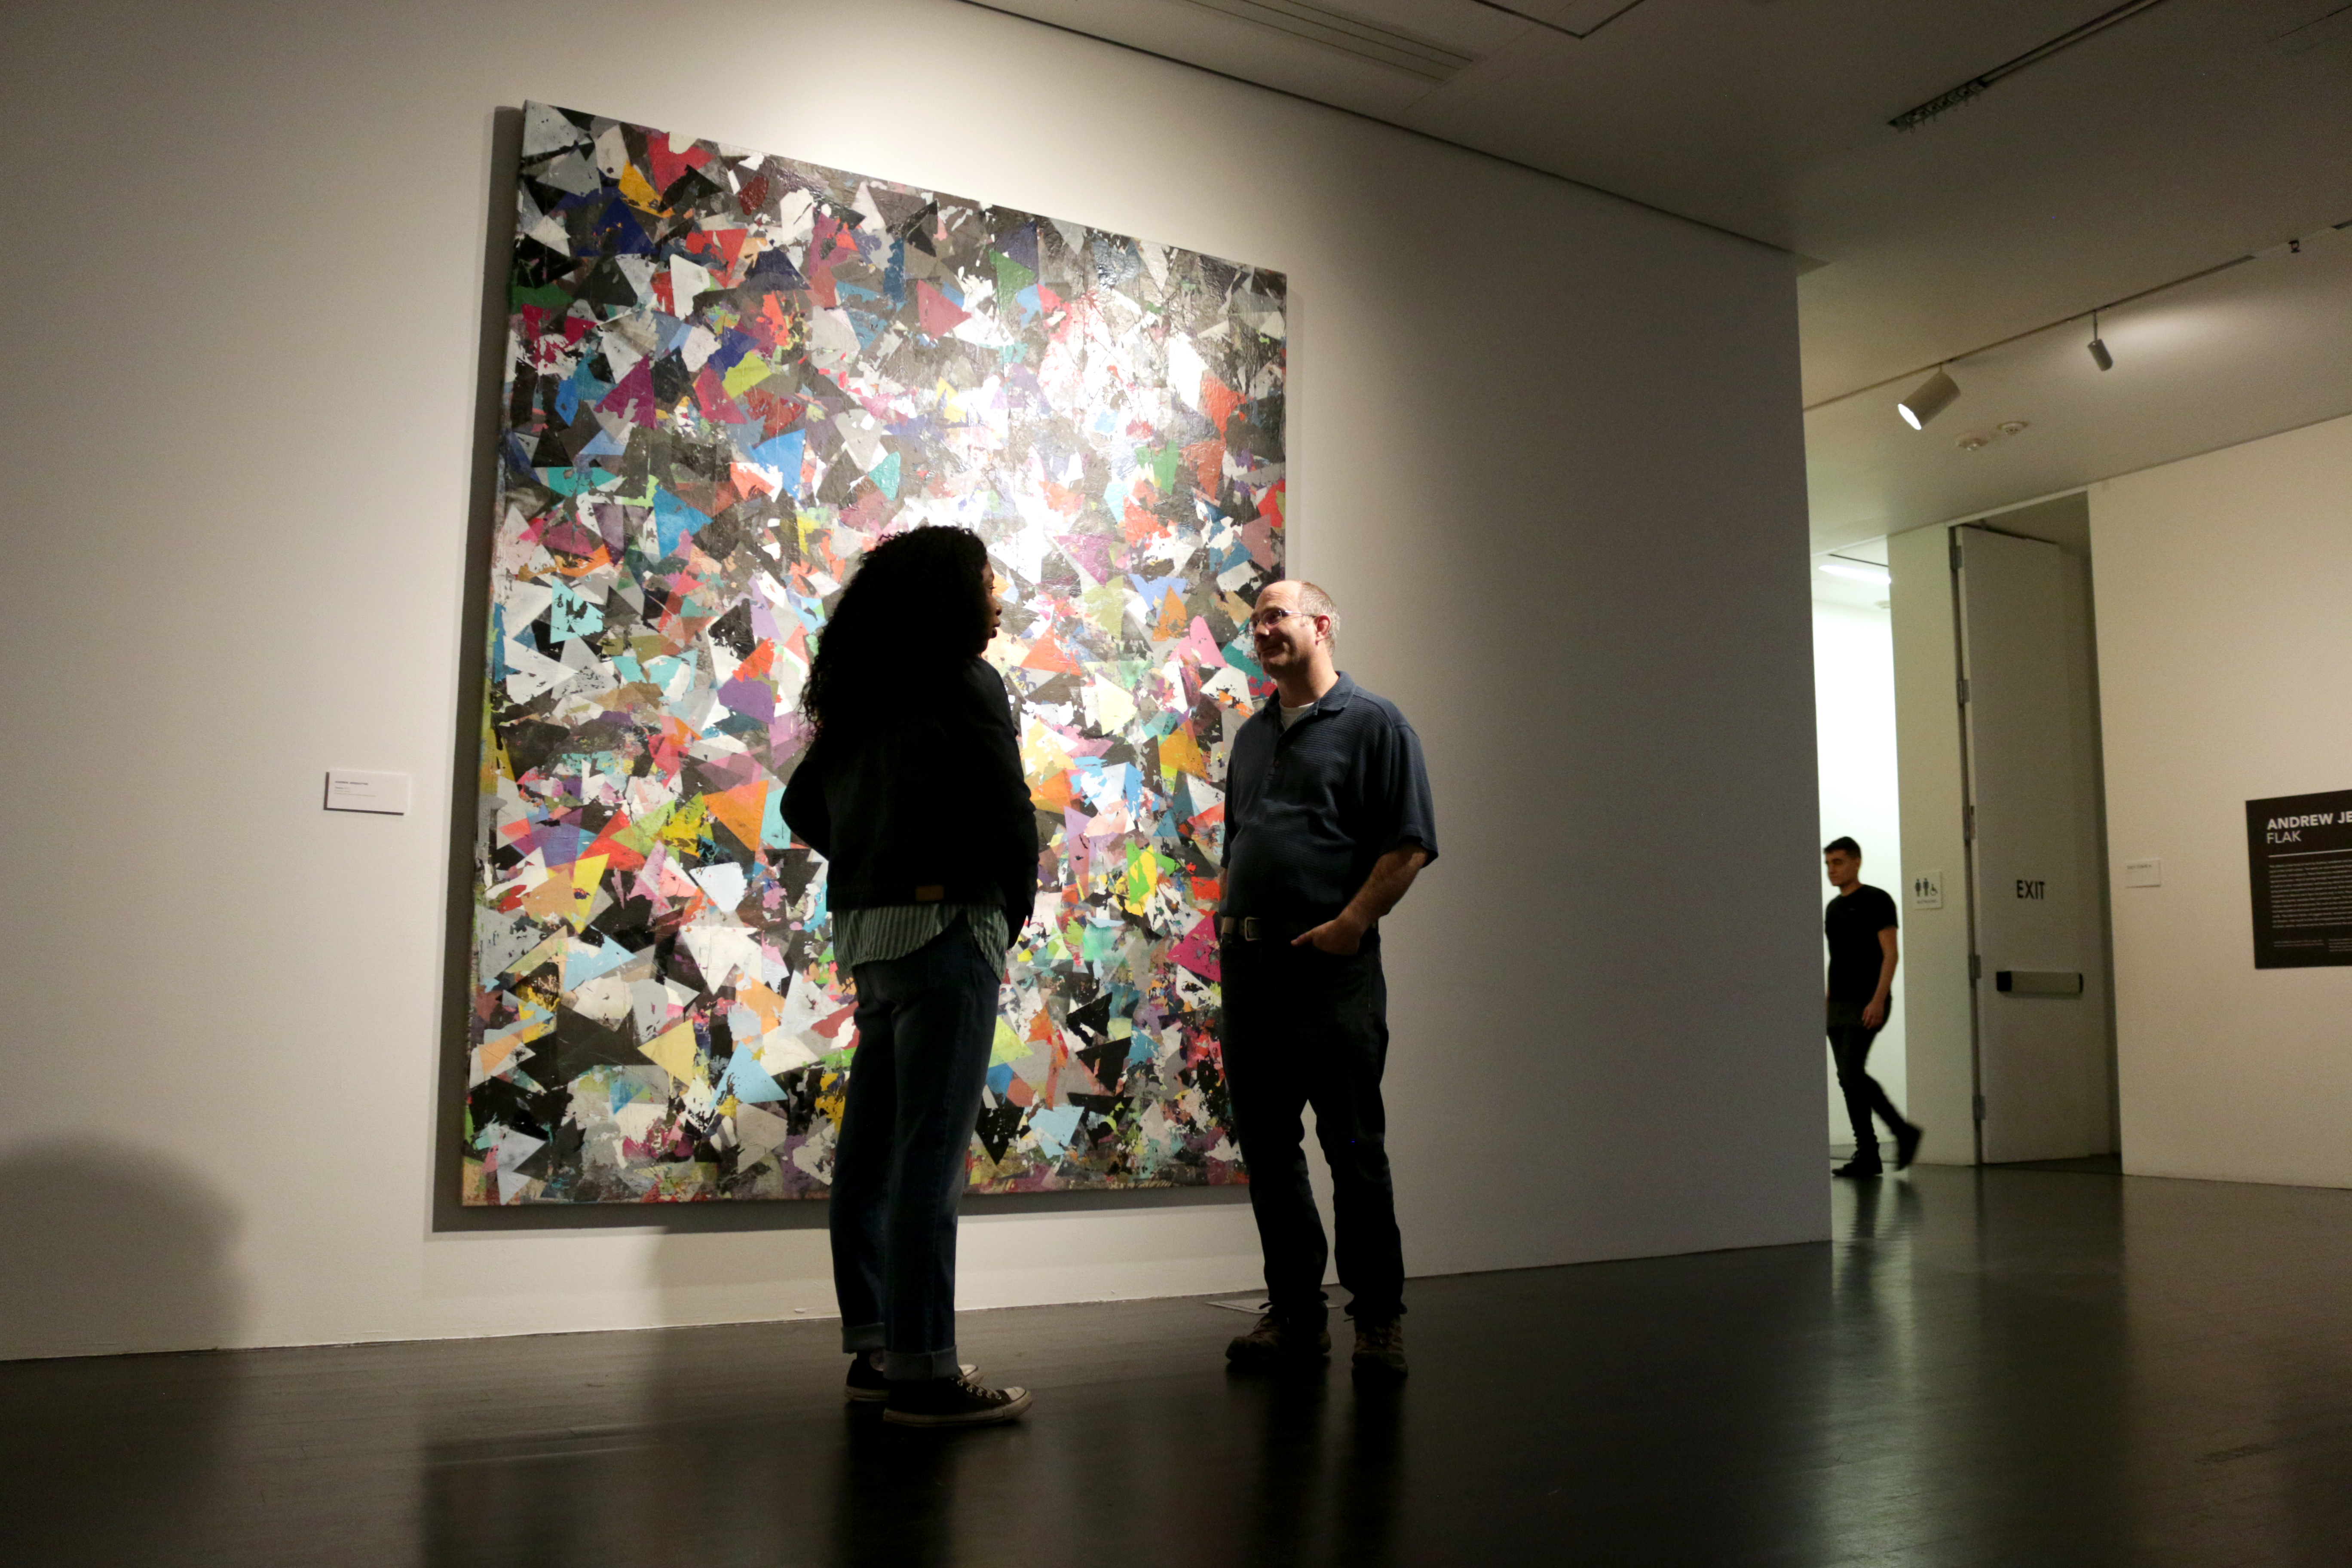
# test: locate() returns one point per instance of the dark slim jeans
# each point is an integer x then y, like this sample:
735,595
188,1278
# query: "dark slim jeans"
925,1023
1304,1027
1850,1041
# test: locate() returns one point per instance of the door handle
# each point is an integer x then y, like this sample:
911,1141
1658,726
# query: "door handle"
2039,982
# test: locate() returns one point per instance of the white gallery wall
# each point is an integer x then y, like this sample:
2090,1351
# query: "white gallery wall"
1853,706
2224,592
246,405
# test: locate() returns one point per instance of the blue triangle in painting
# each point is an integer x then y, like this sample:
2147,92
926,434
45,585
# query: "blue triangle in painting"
783,453
748,1080
673,520
583,964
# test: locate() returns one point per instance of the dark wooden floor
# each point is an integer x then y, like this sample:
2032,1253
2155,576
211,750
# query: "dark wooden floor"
1985,1371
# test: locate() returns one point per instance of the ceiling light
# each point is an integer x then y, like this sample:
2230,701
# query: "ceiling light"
2099,354
1931,397
1877,576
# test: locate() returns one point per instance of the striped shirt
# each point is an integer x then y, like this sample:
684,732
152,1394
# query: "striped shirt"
894,930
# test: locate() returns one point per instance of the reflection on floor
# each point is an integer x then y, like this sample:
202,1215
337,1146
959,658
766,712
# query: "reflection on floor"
2080,1166
1998,1368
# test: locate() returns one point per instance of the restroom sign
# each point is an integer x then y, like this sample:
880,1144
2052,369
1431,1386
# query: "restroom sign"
1928,889
2299,868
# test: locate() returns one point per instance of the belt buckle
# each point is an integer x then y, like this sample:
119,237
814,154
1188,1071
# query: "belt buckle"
1251,928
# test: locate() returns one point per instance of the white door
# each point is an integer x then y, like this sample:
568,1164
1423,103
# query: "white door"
2042,1061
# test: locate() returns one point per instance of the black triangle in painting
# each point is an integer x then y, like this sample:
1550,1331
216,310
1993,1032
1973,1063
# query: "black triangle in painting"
917,228
998,1127
605,286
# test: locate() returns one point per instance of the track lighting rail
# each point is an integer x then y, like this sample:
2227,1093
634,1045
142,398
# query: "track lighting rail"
2100,310
1913,118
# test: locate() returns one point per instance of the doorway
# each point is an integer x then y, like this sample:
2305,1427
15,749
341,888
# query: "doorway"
1853,707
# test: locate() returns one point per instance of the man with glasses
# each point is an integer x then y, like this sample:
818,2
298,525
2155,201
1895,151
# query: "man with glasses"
1327,821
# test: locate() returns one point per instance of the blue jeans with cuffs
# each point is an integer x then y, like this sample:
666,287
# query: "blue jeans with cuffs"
925,1024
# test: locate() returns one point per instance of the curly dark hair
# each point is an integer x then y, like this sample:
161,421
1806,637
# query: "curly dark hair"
915,609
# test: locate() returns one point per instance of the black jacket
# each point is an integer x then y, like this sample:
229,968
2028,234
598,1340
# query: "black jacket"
927,792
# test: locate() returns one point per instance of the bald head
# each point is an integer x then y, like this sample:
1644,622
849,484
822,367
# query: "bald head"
1292,632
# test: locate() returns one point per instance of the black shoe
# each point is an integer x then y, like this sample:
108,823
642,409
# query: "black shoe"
1907,1144
1274,1342
959,1401
1859,1170
866,1385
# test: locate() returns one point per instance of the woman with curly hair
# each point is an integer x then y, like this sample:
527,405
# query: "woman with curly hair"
913,792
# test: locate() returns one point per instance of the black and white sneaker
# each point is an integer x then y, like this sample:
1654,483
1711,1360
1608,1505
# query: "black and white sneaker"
959,1401
866,1385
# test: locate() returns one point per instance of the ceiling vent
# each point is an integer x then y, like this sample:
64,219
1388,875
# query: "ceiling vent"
1349,34
1577,19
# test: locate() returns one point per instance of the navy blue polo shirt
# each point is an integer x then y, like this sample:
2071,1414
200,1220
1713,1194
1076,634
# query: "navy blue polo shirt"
1309,809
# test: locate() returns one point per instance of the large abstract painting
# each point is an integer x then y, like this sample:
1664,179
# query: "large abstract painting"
729,375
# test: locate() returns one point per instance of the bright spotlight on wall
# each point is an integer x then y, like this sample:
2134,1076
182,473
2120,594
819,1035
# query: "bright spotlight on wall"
2099,354
1877,576
1931,397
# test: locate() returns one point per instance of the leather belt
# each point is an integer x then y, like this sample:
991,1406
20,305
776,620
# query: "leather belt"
1250,928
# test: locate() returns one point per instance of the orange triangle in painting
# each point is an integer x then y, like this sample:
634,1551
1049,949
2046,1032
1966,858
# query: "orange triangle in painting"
1218,401
1045,653
740,809
608,844
1173,618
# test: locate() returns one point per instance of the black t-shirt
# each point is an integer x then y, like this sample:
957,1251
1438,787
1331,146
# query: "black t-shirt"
1853,923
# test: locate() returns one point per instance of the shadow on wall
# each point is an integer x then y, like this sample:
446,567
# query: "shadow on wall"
112,1249
109,1249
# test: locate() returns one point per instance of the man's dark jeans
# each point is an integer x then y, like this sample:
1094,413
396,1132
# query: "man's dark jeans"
1849,1042
1306,1028
925,1023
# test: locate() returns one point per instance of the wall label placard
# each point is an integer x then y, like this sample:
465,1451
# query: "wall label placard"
381,794
2299,865
1927,891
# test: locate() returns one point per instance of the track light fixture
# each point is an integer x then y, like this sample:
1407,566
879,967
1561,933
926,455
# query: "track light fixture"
2099,354
1929,398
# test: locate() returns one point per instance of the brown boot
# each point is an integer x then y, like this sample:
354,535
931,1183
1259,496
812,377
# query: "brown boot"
1380,1346
1273,1342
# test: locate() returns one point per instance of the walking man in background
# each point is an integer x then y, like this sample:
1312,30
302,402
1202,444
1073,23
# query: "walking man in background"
1860,925
1328,820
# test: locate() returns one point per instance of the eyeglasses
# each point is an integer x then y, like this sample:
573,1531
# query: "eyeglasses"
1265,620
